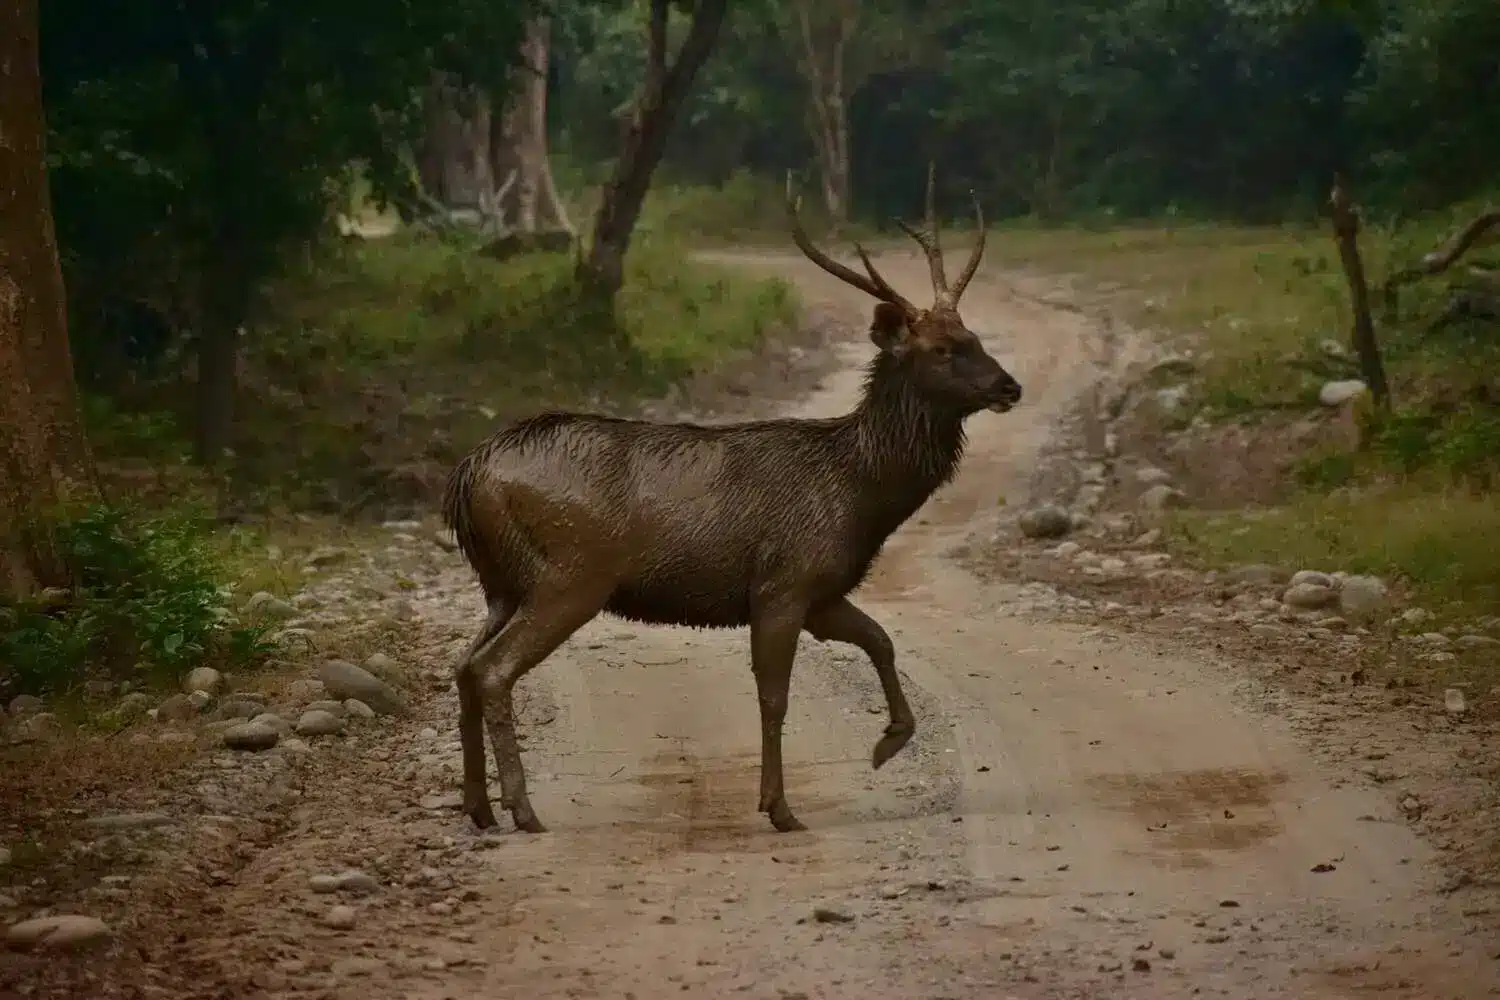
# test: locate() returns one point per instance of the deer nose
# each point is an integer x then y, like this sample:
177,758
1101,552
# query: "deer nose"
1007,389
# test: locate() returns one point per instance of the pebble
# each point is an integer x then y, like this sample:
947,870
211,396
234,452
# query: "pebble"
273,721
305,690
1362,596
1454,703
250,736
1476,642
238,708
204,679
341,918
62,932
349,881
828,915
334,708
357,709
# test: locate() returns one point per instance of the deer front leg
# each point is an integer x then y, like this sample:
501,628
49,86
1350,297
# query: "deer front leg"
773,648
843,622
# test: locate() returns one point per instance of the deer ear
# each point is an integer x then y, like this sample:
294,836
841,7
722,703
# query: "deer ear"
888,328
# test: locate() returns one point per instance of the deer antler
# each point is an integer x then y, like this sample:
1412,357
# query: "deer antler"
874,285
974,257
927,239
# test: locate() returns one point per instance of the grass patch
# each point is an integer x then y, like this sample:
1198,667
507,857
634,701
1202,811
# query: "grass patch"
1441,543
1265,312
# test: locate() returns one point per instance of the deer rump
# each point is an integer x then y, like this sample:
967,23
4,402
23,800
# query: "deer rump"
680,524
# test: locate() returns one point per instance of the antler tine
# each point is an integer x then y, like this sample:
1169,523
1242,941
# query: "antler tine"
975,255
928,240
874,285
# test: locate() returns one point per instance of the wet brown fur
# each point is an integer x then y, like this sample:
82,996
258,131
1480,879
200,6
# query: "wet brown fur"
769,524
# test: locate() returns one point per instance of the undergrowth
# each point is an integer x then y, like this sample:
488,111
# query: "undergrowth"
147,604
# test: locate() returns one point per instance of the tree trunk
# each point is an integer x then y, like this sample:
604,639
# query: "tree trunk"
827,106
661,98
1366,346
218,356
43,450
519,157
453,161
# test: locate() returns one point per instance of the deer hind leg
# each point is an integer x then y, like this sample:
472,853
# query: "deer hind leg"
539,626
843,622
471,715
773,649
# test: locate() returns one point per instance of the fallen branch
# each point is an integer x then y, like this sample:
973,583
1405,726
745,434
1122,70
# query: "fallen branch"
1442,258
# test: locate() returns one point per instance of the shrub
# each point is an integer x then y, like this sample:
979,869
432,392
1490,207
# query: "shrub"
146,605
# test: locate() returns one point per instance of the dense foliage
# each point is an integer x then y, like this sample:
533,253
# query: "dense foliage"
1225,107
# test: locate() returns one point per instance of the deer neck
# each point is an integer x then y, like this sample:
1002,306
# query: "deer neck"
907,446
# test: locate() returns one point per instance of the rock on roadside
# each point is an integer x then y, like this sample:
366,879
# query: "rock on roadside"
1362,596
63,932
345,681
316,722
1047,521
250,736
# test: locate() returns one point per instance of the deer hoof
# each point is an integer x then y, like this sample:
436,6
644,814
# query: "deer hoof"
783,820
897,735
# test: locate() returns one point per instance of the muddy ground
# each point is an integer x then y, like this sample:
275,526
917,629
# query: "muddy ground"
1106,798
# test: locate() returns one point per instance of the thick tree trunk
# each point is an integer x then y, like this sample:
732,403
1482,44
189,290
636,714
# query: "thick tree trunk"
519,157
43,450
454,160
661,97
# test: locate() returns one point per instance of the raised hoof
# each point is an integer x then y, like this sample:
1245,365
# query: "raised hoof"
526,820
481,813
896,736
783,820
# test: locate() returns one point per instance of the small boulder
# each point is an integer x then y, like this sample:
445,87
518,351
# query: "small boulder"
273,721
341,918
1340,392
1161,497
1362,596
1150,475
238,708
204,679
356,709
63,932
251,736
1047,521
177,708
1309,596
384,667
35,727
266,605
1314,577
345,680
25,704
319,723
1454,702
1476,642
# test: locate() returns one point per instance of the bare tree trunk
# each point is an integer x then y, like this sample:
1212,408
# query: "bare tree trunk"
1366,346
454,160
661,97
828,111
43,449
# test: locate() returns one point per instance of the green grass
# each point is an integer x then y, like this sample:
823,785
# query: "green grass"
1257,306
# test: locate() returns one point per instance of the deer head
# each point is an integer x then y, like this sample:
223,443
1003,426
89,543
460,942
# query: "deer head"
935,350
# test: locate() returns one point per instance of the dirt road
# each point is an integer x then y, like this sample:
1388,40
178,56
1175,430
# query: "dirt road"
1076,817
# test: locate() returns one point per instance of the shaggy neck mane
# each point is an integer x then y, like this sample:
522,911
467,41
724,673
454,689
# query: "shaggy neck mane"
908,446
